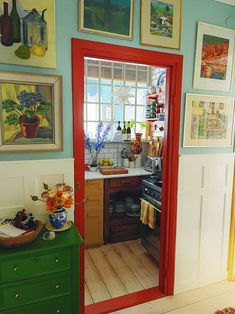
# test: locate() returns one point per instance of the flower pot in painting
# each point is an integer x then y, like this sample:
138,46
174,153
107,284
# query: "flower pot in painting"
29,126
58,218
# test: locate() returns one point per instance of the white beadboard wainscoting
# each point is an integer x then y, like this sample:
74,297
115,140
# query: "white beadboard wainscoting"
21,179
203,219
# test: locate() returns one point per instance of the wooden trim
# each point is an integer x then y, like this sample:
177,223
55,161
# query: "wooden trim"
173,63
231,251
125,301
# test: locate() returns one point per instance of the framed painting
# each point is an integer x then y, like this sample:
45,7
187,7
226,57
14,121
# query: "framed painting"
27,33
214,58
209,121
30,112
161,23
107,17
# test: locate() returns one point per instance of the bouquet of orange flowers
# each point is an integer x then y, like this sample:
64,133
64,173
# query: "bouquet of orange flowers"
58,197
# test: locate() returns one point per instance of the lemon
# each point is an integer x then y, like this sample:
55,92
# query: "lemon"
38,51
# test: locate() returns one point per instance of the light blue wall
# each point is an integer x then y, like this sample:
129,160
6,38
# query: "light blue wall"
66,27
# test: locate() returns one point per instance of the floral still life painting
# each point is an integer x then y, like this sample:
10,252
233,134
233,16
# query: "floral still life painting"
107,17
214,57
27,31
161,23
28,113
209,121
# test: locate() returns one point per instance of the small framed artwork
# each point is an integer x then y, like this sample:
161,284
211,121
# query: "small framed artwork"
209,121
161,23
30,112
214,58
30,38
111,18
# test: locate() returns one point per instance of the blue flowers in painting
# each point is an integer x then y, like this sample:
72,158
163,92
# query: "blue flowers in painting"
28,99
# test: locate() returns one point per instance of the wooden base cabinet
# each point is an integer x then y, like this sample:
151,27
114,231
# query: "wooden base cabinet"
94,194
42,277
121,227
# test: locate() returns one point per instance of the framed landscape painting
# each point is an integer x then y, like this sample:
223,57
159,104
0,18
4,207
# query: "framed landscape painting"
161,23
27,33
214,58
107,17
30,112
209,121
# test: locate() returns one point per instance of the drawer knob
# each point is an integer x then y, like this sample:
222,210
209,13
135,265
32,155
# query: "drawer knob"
57,260
17,295
57,286
14,268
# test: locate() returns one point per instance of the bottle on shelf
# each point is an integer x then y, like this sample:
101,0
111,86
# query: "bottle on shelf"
128,131
6,27
124,131
15,23
119,126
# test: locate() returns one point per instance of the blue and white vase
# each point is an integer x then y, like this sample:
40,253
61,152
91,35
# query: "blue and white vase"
58,218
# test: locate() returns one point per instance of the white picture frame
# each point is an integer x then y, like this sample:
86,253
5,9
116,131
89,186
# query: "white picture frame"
214,58
209,121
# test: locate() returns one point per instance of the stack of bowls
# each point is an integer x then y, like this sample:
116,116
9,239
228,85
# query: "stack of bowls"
119,208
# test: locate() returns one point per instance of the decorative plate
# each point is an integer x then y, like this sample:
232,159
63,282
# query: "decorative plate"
67,225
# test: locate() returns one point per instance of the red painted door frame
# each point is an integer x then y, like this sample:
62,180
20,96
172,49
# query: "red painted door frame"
173,63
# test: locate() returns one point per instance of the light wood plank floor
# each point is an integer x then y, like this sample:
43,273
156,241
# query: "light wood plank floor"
205,300
116,269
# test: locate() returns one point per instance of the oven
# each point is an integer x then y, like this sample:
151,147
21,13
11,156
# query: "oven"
150,238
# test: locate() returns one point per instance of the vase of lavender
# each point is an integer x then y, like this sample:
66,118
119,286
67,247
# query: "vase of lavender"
94,146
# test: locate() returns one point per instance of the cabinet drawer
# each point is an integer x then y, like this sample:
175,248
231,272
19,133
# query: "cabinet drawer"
35,291
94,228
124,182
62,305
123,220
94,187
37,265
94,202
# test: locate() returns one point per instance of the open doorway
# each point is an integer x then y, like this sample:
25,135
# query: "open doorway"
122,248
173,65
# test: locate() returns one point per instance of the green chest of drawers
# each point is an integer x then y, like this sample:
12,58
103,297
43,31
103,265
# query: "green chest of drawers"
42,277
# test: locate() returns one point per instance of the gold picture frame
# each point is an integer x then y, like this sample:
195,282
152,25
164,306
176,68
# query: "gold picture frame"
33,39
209,121
30,112
114,19
160,23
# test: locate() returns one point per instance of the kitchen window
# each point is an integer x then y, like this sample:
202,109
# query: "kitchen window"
115,92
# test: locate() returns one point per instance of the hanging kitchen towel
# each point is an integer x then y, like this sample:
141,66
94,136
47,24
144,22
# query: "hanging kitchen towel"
144,212
151,216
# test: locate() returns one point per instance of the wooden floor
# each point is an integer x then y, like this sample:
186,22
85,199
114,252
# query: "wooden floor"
116,269
205,300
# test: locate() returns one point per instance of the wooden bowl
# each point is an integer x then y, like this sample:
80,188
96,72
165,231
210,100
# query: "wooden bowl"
28,237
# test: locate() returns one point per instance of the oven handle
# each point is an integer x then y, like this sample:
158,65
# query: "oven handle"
151,204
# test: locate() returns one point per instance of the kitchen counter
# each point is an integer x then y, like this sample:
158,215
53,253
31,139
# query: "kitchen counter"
89,175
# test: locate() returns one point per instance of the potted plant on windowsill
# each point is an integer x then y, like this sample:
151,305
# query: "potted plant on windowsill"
94,147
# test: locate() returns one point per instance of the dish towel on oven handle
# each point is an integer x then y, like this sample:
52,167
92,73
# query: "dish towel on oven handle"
148,214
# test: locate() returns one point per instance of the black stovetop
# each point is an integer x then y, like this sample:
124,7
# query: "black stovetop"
154,180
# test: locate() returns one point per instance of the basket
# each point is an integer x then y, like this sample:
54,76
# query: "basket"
28,237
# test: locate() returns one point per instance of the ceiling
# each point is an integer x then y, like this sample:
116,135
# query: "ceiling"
231,2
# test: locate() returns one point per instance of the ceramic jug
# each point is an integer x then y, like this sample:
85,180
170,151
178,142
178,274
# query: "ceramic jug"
35,29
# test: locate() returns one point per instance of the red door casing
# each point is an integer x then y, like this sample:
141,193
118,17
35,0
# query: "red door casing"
173,64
